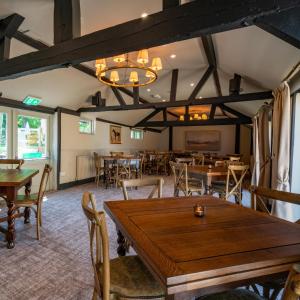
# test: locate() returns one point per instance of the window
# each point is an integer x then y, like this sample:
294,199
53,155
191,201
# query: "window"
3,135
86,126
32,137
136,134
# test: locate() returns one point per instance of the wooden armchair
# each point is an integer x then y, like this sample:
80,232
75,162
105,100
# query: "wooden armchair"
291,290
35,201
157,184
119,278
183,183
260,200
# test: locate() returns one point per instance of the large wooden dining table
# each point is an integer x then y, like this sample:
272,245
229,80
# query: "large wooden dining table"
207,173
11,180
230,246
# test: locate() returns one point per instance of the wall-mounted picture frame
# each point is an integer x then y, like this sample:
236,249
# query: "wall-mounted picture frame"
203,140
115,134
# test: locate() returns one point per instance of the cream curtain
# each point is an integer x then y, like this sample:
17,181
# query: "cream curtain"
261,151
281,149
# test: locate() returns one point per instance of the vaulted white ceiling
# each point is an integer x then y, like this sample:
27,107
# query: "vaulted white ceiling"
260,58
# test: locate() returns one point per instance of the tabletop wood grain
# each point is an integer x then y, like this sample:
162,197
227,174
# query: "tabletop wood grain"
205,170
229,244
13,177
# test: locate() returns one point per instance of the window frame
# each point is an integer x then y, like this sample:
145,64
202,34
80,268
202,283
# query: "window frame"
8,129
32,114
93,126
136,130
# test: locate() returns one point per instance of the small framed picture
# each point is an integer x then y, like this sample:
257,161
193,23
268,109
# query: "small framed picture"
115,134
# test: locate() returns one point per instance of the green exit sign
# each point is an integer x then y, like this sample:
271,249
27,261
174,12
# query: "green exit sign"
30,100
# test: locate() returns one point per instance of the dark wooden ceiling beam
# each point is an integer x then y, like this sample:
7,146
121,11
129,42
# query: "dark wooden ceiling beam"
136,95
285,25
147,118
232,111
67,20
170,3
165,114
224,121
193,19
201,83
204,101
174,82
212,111
8,28
212,60
118,96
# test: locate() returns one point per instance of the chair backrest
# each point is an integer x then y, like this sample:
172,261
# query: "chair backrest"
292,285
97,160
260,196
114,153
234,163
237,173
234,158
180,176
99,244
220,163
15,163
156,182
44,182
199,159
186,160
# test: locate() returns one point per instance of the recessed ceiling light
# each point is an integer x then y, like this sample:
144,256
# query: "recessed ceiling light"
163,100
173,55
144,15
192,84
148,90
200,97
157,96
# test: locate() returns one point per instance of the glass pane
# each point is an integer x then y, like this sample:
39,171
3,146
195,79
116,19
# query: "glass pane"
85,126
3,135
32,137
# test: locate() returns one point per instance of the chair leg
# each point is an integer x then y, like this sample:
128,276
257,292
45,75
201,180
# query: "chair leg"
95,295
38,222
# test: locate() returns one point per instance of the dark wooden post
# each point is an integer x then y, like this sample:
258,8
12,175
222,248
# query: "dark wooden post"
171,138
237,138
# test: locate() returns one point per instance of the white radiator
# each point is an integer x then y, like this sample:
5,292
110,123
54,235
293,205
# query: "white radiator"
84,167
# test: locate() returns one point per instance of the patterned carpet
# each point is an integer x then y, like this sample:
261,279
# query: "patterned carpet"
58,266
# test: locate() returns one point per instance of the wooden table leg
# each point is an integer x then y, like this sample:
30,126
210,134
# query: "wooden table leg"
27,209
122,248
10,201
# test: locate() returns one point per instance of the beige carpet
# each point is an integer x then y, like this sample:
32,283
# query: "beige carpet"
58,266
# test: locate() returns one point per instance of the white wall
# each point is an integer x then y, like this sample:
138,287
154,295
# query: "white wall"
227,137
74,144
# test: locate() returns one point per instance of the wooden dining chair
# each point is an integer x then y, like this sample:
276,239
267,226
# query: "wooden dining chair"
220,163
190,161
183,183
234,158
199,159
124,277
291,290
35,201
261,198
116,153
156,182
234,183
99,168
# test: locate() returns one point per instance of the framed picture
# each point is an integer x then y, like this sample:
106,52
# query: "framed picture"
115,134
204,140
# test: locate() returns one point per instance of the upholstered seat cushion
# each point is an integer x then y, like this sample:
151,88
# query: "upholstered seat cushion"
130,278
239,294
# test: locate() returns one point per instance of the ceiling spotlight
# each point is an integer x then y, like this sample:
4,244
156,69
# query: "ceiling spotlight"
200,97
163,100
148,90
157,96
173,55
192,84
144,15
